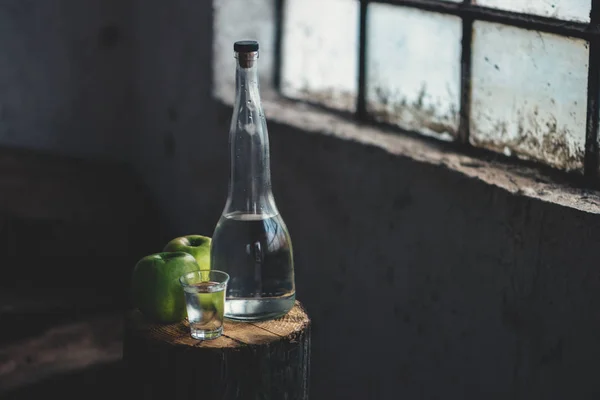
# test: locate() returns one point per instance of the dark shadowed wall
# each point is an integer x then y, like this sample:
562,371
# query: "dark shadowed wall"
65,77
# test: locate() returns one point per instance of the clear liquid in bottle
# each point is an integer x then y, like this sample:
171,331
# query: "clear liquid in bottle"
255,250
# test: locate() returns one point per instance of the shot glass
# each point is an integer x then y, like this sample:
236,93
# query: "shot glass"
205,302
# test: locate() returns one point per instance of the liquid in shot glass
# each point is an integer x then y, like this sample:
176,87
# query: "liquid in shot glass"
205,302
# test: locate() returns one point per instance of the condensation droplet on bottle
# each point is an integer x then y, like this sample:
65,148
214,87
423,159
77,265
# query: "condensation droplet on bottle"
258,257
250,128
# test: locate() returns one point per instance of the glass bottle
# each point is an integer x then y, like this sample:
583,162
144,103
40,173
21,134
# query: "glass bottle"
251,242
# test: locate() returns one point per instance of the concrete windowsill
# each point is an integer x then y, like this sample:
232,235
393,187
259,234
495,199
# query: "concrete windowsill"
513,177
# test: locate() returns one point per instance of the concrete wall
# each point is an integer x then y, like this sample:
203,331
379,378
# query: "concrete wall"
175,139
65,76
118,80
425,284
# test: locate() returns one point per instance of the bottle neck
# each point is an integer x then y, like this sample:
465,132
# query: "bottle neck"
250,179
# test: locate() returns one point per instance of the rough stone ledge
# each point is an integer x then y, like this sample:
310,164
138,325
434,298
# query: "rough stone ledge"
519,179
62,349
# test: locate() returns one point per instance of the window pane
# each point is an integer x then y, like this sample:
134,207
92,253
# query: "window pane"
320,52
238,20
413,69
529,92
572,10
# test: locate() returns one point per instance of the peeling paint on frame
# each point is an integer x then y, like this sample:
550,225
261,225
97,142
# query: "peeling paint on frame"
415,115
529,94
413,69
572,10
320,52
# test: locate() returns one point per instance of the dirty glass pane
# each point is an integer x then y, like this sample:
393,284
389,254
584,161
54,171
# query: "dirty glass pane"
572,10
413,69
529,94
320,52
238,20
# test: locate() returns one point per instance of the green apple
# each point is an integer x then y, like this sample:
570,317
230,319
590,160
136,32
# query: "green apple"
196,245
156,290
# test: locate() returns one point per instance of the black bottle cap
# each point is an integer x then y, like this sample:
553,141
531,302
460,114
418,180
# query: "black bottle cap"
245,46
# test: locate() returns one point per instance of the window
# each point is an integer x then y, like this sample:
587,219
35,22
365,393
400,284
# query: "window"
510,76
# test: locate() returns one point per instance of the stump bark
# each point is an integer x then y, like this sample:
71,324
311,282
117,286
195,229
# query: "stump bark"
267,360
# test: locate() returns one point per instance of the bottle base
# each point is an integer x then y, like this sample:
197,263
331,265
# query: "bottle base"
258,309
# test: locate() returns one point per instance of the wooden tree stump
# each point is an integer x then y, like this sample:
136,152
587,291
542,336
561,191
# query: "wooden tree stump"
266,360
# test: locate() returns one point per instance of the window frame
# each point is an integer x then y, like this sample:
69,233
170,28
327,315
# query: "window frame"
469,13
